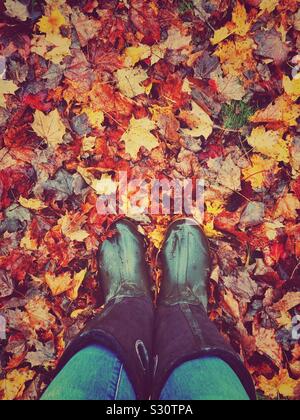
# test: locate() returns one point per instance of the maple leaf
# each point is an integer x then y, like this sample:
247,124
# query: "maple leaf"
269,143
13,385
236,56
77,282
281,385
256,173
283,111
16,9
239,25
270,45
32,204
133,55
7,87
59,284
52,47
292,87
199,122
229,86
86,28
139,135
71,227
49,127
268,5
287,207
39,315
52,23
267,345
130,81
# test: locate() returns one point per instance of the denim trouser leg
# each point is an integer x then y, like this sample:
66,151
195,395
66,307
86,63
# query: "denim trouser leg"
95,373
204,379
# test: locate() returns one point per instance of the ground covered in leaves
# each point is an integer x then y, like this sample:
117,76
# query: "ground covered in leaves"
159,88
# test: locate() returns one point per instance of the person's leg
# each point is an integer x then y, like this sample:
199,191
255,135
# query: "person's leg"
94,373
203,380
183,329
124,326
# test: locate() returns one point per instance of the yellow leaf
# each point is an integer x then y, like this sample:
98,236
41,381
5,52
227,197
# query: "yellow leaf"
88,144
240,19
7,87
52,23
157,236
59,284
13,385
287,207
236,56
28,243
229,86
52,47
268,5
75,314
96,118
215,207
105,185
130,81
50,127
77,282
135,54
271,229
139,134
239,25
292,87
220,35
199,122
283,111
257,172
281,384
32,204
70,227
16,9
209,229
269,143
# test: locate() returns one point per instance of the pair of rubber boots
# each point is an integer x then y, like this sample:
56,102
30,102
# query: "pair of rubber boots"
151,342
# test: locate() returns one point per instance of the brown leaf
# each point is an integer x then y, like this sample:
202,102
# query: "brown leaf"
270,45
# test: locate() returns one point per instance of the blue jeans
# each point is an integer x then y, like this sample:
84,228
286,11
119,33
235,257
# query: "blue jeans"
95,373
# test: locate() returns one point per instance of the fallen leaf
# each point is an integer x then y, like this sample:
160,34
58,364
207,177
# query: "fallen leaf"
7,87
49,127
133,55
199,122
59,284
287,207
268,5
52,23
281,385
256,173
270,45
13,385
32,203
130,81
77,282
16,9
139,135
270,143
292,87
267,345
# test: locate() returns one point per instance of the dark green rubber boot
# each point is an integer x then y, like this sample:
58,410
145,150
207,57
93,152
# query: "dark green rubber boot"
183,330
126,324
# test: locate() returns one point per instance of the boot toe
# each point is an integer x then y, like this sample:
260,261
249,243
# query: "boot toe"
122,265
187,263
